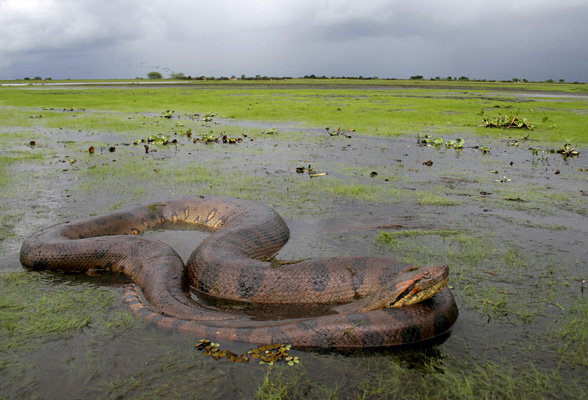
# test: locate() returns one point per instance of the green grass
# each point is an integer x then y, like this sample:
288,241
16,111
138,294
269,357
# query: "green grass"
489,380
33,312
572,333
486,274
431,199
443,107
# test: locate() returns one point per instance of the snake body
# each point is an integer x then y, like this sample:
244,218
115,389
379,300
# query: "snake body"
232,264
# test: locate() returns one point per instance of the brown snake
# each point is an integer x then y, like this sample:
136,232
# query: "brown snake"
232,264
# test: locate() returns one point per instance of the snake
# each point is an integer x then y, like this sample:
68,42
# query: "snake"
369,302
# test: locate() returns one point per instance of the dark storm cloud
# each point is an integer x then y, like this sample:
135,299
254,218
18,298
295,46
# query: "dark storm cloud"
494,39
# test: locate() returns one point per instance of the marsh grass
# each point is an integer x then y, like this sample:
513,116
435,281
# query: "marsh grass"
427,198
542,200
487,275
571,333
458,380
392,239
427,378
34,312
441,107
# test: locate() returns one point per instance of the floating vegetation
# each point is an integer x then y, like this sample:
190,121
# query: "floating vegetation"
187,132
208,117
437,142
211,137
430,140
339,132
309,169
268,354
168,114
512,120
457,144
155,139
566,151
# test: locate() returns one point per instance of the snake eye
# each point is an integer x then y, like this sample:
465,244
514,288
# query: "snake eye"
426,275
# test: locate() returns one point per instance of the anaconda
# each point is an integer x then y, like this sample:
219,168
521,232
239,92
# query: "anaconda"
232,264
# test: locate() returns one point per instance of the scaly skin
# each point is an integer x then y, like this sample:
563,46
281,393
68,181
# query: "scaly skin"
229,264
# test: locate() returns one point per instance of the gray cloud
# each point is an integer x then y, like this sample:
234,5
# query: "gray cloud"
494,39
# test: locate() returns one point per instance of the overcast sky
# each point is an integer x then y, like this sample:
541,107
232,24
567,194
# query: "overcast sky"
482,39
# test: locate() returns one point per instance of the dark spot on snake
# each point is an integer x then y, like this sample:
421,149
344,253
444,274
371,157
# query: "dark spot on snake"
319,277
101,221
40,264
209,277
250,281
101,254
358,276
410,334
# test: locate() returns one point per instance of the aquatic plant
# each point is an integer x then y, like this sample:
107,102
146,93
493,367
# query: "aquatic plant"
457,144
568,151
512,120
168,114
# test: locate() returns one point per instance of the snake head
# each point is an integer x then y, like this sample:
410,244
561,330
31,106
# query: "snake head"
416,285
409,287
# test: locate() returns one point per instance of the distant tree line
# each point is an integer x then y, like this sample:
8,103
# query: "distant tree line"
182,76
36,78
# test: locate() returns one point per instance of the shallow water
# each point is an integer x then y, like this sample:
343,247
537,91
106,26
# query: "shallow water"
517,253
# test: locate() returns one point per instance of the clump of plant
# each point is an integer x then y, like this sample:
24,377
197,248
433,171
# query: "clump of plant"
268,354
211,137
231,140
155,139
512,120
187,132
431,141
208,117
339,132
457,144
437,142
310,170
168,114
568,151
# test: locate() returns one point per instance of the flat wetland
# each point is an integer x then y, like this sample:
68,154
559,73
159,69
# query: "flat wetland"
369,168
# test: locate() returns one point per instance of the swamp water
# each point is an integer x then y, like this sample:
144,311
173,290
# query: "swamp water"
511,223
